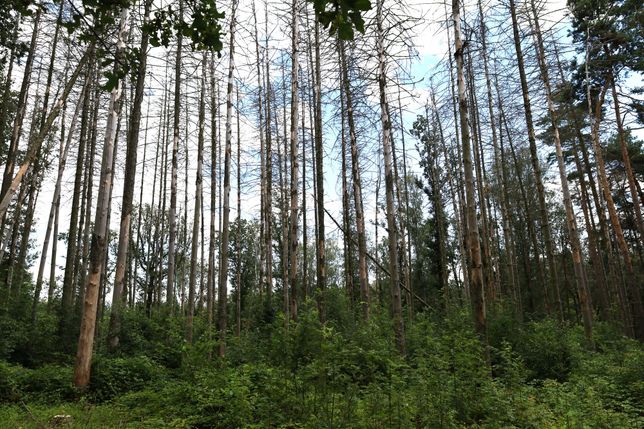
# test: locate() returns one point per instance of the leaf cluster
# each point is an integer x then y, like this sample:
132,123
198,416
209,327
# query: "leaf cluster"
341,16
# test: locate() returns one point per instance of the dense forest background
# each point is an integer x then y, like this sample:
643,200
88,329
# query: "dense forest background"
321,214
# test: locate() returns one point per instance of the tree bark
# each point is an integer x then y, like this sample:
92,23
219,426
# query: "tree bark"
295,164
571,220
128,188
476,265
357,189
222,317
536,168
101,228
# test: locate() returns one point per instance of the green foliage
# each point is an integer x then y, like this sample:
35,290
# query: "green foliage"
9,382
113,377
546,350
48,384
345,373
155,337
341,16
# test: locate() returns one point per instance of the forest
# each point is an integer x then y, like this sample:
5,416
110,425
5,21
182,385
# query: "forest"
321,214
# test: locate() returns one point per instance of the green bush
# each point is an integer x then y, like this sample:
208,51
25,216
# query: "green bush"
10,377
49,384
112,377
547,350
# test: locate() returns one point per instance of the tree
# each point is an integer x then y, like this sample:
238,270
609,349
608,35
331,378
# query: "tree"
101,230
476,266
223,269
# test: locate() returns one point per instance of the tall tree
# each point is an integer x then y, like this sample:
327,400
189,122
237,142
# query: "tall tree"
536,168
571,220
101,227
198,196
128,185
387,144
222,314
295,166
476,265
172,216
357,186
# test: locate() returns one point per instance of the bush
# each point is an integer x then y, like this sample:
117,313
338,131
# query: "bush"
114,376
547,350
49,384
10,382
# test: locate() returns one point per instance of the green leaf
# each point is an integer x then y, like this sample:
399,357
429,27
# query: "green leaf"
345,31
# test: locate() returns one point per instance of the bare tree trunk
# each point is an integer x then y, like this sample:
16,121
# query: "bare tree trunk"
128,188
283,213
295,167
6,93
264,246
198,196
172,216
36,143
101,228
269,176
225,232
406,231
575,243
543,212
86,204
319,178
498,166
64,150
239,231
399,329
21,110
478,155
50,72
357,189
347,243
476,266
636,319
210,304
73,235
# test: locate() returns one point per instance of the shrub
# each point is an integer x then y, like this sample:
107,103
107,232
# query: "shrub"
114,376
546,349
10,382
49,384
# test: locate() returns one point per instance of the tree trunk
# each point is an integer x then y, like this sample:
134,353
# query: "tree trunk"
21,110
636,320
222,317
172,216
198,195
347,243
101,228
357,189
319,179
571,220
543,213
36,143
399,329
476,266
128,188
64,150
295,163
239,230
